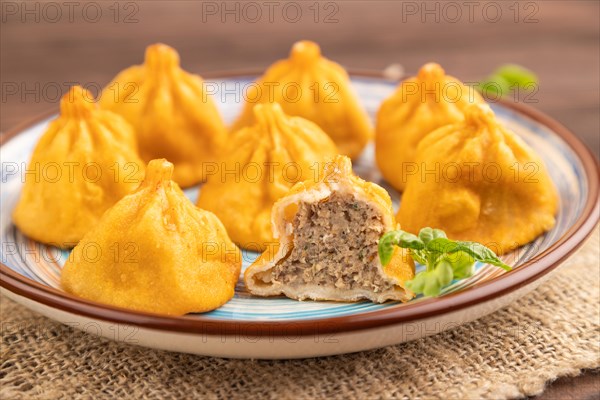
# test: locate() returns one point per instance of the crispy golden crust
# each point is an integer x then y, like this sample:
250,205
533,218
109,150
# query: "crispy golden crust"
155,251
82,165
310,86
489,195
419,105
335,176
278,151
172,114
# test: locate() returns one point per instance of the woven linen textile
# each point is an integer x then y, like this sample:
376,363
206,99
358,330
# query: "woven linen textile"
552,332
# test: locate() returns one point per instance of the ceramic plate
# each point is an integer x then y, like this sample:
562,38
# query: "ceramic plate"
251,327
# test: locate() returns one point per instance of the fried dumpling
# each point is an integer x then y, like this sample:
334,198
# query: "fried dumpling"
483,183
173,115
260,164
154,251
328,232
419,105
310,86
82,165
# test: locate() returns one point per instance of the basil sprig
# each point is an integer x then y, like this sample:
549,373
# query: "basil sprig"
444,259
508,78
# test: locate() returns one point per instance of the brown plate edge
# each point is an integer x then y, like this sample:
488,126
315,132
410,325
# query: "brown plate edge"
529,272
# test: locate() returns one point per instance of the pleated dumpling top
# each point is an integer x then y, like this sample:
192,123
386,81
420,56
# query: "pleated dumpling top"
260,164
82,165
485,184
310,86
154,251
173,115
419,105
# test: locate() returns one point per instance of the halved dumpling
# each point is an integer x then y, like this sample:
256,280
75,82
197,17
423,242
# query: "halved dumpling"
328,233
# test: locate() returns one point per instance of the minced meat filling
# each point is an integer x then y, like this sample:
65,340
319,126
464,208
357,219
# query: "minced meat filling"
335,244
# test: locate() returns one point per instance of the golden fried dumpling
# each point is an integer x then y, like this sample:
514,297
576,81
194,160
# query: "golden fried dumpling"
173,115
480,182
328,231
261,163
310,86
419,105
154,251
83,164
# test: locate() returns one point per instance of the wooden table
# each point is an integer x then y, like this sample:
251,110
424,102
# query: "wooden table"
45,48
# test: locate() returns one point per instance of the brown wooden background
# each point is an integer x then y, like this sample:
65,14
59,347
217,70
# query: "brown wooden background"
43,48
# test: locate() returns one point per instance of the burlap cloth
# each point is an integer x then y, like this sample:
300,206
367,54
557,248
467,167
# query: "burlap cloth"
552,332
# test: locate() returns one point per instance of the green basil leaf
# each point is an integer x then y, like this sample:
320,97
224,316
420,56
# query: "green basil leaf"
462,264
516,75
396,238
443,274
495,85
418,255
507,78
441,245
430,283
428,234
417,284
444,259
476,250
483,254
